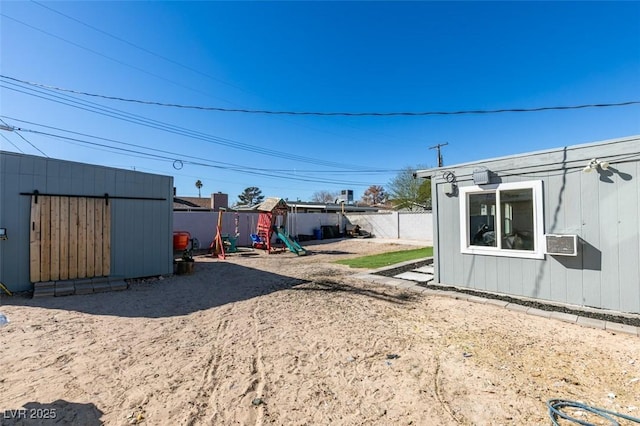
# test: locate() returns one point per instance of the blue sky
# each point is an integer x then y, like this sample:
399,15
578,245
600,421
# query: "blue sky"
312,56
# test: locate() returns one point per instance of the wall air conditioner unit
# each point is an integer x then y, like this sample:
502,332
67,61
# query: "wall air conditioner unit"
561,245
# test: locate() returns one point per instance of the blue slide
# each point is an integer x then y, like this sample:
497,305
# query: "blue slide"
290,243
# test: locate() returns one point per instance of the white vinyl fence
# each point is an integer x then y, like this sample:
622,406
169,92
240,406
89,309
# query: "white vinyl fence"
406,225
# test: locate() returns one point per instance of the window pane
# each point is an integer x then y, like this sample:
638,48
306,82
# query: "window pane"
516,211
482,219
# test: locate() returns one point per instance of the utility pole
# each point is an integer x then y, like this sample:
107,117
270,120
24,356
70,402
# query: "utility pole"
440,164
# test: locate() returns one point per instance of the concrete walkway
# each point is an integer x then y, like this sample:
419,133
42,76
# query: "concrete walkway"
409,281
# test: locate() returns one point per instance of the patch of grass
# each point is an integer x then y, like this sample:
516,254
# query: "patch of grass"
386,259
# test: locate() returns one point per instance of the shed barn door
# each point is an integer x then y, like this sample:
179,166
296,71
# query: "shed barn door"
70,238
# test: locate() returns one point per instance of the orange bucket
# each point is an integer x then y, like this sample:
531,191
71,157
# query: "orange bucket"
181,240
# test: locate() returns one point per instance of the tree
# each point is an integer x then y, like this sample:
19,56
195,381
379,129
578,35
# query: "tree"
424,194
199,185
374,195
407,192
250,197
324,196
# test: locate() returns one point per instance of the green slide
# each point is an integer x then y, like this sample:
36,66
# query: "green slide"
290,243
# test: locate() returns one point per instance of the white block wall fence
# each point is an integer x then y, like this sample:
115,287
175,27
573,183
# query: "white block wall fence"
404,225
395,225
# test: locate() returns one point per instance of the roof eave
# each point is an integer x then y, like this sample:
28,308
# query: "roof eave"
428,173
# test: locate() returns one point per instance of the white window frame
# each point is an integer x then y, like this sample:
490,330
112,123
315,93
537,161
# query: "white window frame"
538,220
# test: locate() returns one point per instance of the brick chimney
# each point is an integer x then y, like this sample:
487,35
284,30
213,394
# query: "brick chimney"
219,200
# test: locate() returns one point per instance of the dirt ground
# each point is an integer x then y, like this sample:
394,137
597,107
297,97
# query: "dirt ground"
287,340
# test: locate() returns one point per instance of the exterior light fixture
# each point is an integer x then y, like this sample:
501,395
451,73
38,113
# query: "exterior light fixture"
481,176
594,164
590,166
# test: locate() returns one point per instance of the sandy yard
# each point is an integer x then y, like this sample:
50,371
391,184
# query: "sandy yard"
289,340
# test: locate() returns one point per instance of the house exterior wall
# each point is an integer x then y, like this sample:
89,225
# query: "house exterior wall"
141,237
601,207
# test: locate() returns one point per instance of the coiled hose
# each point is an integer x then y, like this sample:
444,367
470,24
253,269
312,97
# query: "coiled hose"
555,405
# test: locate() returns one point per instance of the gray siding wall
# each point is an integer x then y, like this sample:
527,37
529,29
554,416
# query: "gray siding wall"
141,230
602,208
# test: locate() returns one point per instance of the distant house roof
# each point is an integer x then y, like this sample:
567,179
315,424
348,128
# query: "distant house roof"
198,201
188,203
305,206
309,207
195,203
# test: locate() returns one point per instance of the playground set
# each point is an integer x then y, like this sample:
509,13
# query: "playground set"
224,243
272,220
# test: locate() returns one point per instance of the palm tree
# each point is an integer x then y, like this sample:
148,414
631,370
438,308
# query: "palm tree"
199,185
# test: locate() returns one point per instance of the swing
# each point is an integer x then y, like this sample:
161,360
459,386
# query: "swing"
217,244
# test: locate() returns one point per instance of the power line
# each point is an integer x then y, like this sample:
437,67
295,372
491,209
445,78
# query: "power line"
118,61
203,162
295,123
147,122
320,113
24,139
143,49
223,164
35,147
9,140
137,119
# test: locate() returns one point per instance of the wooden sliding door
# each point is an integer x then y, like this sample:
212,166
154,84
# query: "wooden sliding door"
70,238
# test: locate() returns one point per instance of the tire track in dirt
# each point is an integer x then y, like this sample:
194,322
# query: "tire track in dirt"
441,399
259,367
208,386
